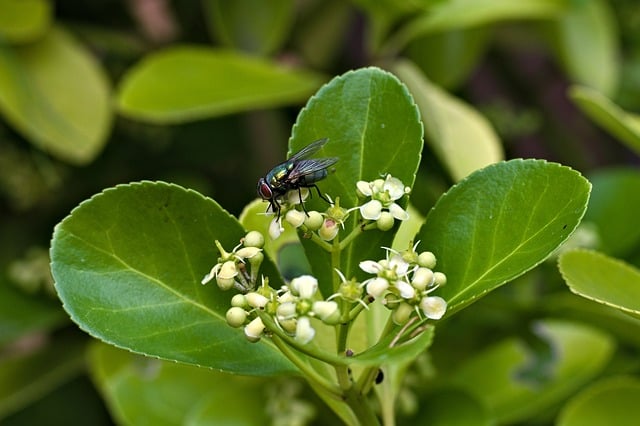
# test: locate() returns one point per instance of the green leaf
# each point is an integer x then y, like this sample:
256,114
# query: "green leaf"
462,14
25,379
453,407
24,21
149,391
374,128
619,123
500,222
54,92
602,279
495,376
448,57
614,205
612,401
128,264
461,137
586,34
254,26
188,83
388,352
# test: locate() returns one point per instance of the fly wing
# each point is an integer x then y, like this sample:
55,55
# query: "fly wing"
309,150
308,167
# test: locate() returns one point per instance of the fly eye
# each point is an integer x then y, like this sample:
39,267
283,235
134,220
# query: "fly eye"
264,190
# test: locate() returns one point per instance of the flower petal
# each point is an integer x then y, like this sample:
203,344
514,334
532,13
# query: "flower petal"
305,286
434,307
406,290
371,210
364,188
377,286
394,186
304,331
370,266
398,212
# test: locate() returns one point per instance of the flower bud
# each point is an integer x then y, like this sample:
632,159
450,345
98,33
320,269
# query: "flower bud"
248,252
439,279
256,300
422,278
304,332
254,330
327,311
286,311
314,221
236,317
239,301
295,218
402,313
385,221
226,274
254,239
275,229
427,259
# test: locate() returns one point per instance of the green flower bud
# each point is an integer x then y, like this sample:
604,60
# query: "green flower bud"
427,259
385,221
239,301
254,239
314,221
236,317
439,279
402,313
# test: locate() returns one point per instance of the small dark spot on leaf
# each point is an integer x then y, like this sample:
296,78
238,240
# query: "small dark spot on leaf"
379,377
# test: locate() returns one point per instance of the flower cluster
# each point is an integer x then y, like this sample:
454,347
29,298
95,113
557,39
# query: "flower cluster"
383,207
231,269
406,280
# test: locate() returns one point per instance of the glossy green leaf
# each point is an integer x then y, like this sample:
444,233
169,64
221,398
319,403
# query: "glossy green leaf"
496,377
461,137
614,205
585,35
24,20
54,92
603,279
188,83
460,14
448,58
374,128
619,123
500,222
612,401
128,264
150,391
25,379
254,26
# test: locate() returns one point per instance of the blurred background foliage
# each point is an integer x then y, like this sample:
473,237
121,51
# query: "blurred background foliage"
203,93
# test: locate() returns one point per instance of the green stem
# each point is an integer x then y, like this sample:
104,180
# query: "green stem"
310,374
322,243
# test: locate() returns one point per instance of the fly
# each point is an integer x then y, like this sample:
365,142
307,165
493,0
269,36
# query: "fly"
295,173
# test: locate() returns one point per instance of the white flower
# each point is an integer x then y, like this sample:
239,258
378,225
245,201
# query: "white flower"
305,286
254,330
376,286
304,332
275,228
434,307
295,218
383,195
391,272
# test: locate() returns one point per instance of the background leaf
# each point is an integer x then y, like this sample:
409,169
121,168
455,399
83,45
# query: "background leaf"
128,264
621,124
374,128
24,20
460,136
270,23
462,14
614,204
495,376
586,34
188,83
609,401
500,222
602,279
54,92
143,390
